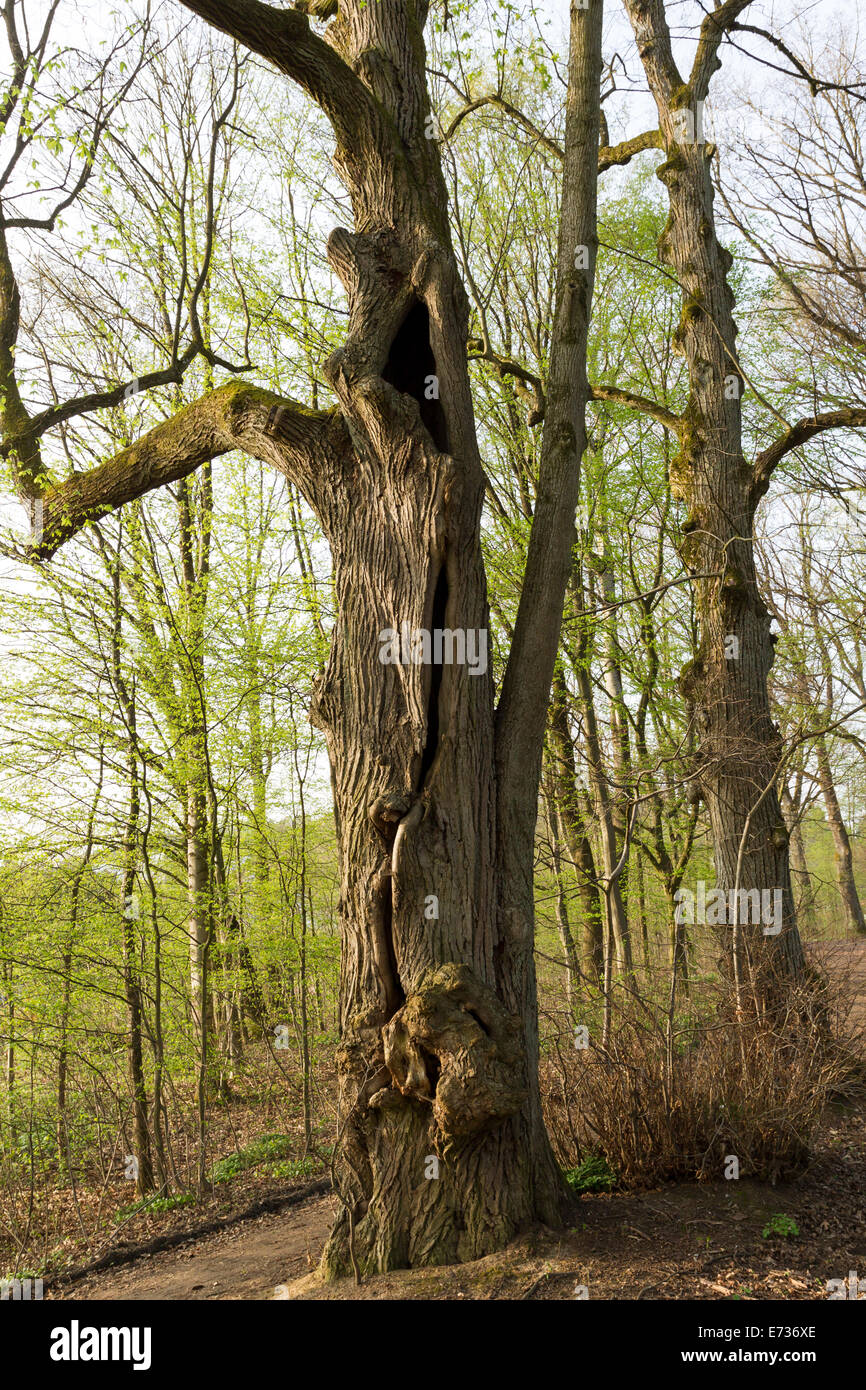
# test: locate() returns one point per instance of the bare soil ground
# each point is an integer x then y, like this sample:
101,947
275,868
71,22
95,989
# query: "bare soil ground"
247,1261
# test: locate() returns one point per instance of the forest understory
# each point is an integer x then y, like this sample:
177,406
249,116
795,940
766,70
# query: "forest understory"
259,1235
682,1241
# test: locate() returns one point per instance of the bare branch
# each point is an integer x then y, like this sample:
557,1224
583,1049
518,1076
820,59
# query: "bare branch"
608,155
478,352
492,99
816,84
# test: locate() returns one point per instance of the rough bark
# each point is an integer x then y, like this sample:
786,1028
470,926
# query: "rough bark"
740,747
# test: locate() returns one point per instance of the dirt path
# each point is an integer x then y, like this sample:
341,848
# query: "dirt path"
244,1262
845,961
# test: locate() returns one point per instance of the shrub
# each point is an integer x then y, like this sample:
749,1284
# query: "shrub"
660,1105
592,1175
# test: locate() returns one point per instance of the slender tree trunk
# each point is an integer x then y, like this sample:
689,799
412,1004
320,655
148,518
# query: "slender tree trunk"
200,918
75,899
614,904
7,1003
643,920
301,900
130,913
679,942
156,1034
799,865
132,987
564,772
566,940
619,735
259,819
855,923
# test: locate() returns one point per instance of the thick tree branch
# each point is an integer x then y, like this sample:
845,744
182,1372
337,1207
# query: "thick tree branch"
646,406
521,716
14,420
850,417
299,442
609,155
284,38
653,39
713,29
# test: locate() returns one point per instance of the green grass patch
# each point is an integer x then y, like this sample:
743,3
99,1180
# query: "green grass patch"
780,1225
268,1147
294,1167
170,1203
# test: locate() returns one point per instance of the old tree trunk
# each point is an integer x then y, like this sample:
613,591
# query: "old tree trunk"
438,1156
740,750
441,1154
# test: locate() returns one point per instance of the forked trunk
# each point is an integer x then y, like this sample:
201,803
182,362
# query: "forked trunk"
441,1154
